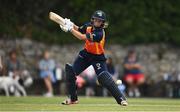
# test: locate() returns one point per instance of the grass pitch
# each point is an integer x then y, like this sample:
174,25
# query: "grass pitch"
92,104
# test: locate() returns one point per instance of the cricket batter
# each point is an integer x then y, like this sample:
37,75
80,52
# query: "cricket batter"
92,54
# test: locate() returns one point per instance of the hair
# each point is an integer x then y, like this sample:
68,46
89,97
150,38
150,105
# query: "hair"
12,52
131,51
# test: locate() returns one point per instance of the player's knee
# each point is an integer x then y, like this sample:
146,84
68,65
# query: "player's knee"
70,75
105,78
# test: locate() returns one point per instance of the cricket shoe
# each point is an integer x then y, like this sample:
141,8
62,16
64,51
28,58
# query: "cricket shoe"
69,102
48,94
124,103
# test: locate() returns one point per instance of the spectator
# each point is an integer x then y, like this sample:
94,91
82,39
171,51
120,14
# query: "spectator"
47,67
133,75
14,71
1,66
13,66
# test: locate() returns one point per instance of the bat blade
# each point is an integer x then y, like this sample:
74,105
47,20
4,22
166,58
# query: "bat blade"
56,18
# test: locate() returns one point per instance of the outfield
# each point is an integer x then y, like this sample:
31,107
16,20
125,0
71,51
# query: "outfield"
94,104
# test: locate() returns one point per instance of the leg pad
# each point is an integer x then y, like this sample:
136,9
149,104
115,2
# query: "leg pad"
71,82
106,80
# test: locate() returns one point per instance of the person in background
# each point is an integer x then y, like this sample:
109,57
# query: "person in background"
1,66
133,75
13,65
12,69
47,67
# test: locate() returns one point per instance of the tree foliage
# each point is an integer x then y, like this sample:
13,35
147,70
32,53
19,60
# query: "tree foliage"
131,21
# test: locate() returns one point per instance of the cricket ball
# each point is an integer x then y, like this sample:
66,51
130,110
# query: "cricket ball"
118,82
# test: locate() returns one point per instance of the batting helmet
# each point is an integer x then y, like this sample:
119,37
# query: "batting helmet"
100,15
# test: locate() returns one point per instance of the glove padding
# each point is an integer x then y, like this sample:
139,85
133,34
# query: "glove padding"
66,28
68,25
63,28
68,22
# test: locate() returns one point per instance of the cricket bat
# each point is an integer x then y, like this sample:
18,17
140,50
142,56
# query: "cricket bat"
56,18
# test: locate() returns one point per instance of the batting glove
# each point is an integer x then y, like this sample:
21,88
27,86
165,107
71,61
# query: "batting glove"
69,27
64,28
68,22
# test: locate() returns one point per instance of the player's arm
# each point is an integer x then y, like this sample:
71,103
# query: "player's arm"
95,36
75,31
76,27
78,34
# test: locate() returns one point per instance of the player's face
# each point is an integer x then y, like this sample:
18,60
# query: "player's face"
97,22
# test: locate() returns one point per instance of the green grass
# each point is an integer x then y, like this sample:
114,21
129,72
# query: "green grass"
93,104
